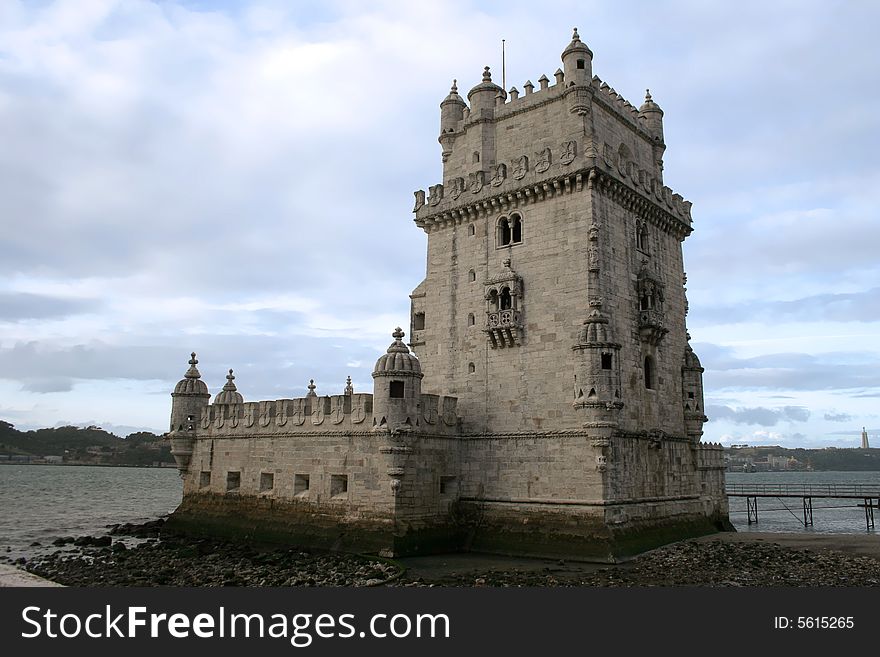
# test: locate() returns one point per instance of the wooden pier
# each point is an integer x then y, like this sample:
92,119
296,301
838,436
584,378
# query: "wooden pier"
869,496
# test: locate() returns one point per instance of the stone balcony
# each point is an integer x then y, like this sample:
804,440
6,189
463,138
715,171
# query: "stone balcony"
504,328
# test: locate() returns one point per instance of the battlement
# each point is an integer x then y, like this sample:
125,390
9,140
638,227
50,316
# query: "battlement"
314,414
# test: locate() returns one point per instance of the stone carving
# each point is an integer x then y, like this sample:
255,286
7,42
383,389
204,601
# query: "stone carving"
476,181
449,417
500,175
233,416
457,187
249,418
337,410
265,417
435,194
601,463
520,167
206,419
429,409
420,200
318,411
542,160
281,413
569,152
298,413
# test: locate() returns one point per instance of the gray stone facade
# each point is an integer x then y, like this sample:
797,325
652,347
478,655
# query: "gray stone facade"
552,405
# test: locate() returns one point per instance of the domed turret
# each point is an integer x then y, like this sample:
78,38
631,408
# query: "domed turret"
653,116
597,370
451,110
189,398
397,386
577,62
483,95
692,393
229,394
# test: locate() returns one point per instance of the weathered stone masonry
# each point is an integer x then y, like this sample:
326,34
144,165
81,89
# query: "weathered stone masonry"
554,407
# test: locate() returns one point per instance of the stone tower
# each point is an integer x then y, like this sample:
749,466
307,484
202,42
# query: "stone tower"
865,444
188,400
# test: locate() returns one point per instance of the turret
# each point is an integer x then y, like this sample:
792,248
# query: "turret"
597,378
229,394
451,112
190,396
397,387
577,62
482,97
692,394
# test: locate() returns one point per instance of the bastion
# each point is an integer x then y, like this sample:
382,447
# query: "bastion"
548,401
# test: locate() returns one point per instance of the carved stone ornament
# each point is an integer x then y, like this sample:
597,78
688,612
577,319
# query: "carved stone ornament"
358,409
420,200
520,167
436,194
249,418
337,410
317,411
430,409
569,152
281,414
476,181
542,160
500,175
298,415
457,187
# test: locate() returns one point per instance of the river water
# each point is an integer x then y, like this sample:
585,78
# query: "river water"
39,503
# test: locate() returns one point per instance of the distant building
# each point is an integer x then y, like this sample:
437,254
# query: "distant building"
865,439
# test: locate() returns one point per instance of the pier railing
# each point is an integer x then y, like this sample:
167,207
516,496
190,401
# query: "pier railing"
805,490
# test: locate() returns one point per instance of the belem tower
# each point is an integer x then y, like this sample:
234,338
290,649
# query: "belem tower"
548,401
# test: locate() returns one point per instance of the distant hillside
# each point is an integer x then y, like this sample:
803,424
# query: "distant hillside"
829,458
90,446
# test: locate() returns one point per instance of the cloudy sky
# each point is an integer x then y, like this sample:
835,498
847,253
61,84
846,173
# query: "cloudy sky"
236,179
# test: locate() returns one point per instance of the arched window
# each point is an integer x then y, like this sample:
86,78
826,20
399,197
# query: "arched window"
642,236
476,156
515,229
649,372
470,229
471,368
471,320
472,276
505,299
493,301
503,232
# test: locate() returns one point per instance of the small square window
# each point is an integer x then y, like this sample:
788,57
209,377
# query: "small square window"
338,485
267,481
300,484
233,481
396,389
204,478
580,63
606,361
419,322
690,395
448,485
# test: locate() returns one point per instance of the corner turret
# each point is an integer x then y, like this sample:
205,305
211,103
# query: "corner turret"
189,398
397,387
577,62
451,115
652,116
692,394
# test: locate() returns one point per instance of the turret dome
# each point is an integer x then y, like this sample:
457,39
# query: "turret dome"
577,45
191,383
229,394
690,361
398,359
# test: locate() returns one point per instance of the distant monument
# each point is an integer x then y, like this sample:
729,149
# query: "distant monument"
865,444
553,405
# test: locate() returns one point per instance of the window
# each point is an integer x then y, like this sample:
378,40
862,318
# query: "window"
472,275
505,299
470,319
493,301
204,478
233,481
395,390
516,229
503,236
267,481
642,236
649,373
646,302
476,157
418,321
338,485
580,63
447,485
690,395
300,484
471,229
471,368
606,361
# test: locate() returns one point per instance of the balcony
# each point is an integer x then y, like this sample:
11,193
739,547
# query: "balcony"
504,328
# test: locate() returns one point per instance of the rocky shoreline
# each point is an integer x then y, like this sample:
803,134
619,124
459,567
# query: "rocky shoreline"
134,555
